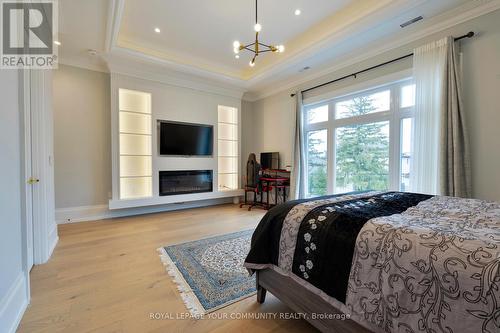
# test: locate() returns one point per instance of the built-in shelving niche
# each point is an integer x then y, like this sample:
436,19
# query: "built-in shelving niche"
135,132
228,143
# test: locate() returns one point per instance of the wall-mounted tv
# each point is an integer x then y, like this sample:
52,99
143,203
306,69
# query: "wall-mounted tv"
184,139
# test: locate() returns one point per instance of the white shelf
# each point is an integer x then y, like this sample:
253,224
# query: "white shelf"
172,199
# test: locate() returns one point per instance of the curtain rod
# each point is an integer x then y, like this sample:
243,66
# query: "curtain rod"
468,35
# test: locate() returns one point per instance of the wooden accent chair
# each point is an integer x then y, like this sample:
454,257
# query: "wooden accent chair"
252,183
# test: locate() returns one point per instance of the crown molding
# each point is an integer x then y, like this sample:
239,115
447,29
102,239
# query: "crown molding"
140,70
84,65
174,66
467,14
115,14
185,62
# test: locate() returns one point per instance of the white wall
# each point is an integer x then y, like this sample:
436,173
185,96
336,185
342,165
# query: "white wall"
273,130
274,121
13,283
482,104
82,139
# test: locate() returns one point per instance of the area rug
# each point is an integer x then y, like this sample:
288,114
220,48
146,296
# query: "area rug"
209,272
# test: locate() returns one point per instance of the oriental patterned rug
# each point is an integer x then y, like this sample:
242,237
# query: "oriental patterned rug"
209,272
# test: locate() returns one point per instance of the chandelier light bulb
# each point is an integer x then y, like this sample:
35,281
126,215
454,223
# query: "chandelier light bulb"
236,50
257,27
281,48
237,56
297,12
251,63
236,44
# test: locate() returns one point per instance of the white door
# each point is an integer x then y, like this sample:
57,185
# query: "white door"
30,180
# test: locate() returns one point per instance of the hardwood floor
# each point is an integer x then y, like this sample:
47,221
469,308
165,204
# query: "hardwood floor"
106,276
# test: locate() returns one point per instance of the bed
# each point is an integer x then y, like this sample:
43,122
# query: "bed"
383,262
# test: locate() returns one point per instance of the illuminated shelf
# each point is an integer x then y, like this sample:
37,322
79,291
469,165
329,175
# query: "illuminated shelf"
135,146
228,154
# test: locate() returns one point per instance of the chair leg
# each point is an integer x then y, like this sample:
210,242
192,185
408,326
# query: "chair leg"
254,201
243,204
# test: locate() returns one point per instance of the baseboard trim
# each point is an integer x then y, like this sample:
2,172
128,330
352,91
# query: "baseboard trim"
102,212
53,240
13,304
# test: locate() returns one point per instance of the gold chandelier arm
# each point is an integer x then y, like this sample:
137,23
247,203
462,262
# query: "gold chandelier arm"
257,43
248,48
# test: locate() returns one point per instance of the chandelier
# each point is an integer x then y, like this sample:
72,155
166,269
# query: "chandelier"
256,47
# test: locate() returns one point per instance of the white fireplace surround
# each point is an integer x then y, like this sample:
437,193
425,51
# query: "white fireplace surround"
171,103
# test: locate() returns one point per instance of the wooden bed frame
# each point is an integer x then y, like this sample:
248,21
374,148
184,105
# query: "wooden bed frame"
301,300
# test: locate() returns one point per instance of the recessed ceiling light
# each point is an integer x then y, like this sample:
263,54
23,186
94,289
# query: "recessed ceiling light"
157,30
297,12
58,43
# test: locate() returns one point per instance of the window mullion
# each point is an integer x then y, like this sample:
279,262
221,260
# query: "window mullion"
395,145
331,148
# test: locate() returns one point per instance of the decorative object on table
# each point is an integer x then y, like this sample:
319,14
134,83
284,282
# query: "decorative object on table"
209,272
256,47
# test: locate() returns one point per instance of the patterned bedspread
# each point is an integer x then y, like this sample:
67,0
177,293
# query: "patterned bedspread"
396,262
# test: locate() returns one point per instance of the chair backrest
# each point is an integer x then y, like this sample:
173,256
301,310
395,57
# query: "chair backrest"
253,171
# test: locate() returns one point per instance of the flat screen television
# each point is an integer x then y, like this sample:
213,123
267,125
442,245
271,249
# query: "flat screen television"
184,139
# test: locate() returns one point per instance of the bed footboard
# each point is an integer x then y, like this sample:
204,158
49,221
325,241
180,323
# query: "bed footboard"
301,300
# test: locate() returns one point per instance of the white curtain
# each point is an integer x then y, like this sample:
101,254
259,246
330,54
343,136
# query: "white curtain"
297,182
428,70
440,147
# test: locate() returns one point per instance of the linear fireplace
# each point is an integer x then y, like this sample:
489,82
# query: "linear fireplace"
182,182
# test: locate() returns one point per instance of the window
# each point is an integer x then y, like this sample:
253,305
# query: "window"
361,141
228,148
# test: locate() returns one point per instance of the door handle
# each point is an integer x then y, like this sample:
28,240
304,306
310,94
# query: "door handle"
33,180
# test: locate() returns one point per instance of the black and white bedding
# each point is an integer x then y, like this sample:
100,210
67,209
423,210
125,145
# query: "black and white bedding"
393,261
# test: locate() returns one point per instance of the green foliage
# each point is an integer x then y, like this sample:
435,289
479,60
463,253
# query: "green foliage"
362,152
317,166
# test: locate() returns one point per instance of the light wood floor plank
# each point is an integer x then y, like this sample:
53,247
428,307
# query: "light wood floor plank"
106,276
